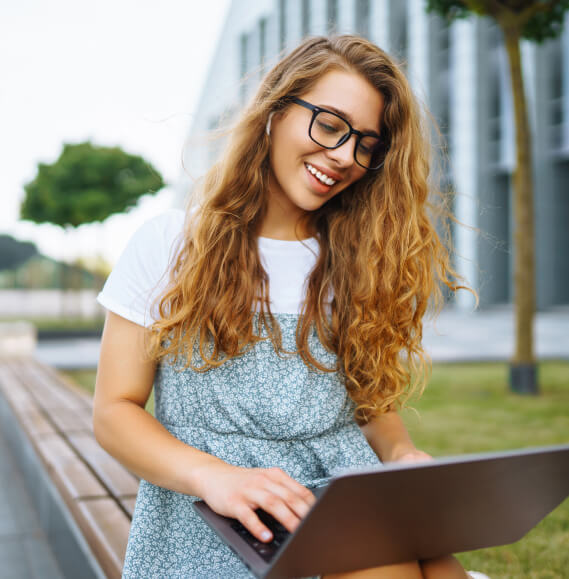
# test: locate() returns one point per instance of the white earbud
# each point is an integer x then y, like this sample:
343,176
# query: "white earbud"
268,127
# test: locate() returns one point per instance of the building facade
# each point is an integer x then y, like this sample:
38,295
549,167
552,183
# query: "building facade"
461,73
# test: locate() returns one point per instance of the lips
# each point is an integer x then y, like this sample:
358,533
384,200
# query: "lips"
324,176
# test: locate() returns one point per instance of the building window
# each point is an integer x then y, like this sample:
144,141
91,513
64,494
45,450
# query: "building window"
495,132
362,17
282,24
243,65
443,74
398,32
262,44
306,24
556,96
494,37
331,15
501,134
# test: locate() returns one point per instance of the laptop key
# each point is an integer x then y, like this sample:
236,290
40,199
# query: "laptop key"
265,550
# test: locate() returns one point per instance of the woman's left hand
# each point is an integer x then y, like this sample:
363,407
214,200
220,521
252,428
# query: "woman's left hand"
389,438
413,455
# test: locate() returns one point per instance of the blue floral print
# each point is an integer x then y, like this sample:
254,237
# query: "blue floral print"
261,409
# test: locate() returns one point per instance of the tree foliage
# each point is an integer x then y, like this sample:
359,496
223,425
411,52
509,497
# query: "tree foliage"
88,183
14,253
543,19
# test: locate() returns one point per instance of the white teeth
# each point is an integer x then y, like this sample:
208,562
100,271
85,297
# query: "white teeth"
321,176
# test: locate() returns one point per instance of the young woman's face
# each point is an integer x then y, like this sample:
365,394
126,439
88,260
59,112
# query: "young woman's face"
294,156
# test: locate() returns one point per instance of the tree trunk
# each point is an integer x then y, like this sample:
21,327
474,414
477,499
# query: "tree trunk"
523,368
66,307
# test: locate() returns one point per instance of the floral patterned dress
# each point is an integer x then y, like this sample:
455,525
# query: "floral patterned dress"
257,410
260,409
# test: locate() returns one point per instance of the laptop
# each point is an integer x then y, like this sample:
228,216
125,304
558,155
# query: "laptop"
405,512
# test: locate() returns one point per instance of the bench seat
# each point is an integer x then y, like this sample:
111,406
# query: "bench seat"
55,416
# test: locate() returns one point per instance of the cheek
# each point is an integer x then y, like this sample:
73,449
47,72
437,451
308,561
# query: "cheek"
357,174
358,171
278,157
282,146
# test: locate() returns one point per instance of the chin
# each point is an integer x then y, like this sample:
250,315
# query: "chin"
313,206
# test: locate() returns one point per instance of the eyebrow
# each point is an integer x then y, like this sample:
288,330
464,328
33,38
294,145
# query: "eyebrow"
346,116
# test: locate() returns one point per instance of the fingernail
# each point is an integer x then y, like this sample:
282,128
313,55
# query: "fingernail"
266,535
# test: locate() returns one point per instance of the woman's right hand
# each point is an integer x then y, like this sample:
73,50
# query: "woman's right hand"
237,492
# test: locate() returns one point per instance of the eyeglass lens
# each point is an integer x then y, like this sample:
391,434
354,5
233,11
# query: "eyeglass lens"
331,131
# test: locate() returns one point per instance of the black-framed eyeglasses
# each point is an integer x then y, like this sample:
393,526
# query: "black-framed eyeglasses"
330,130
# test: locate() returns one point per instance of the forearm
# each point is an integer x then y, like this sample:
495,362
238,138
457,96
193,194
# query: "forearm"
388,437
135,438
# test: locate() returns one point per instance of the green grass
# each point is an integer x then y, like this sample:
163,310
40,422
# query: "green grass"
468,408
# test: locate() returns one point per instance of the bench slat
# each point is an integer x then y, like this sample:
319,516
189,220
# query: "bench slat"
120,482
84,396
128,505
20,399
107,531
35,423
69,472
49,394
71,420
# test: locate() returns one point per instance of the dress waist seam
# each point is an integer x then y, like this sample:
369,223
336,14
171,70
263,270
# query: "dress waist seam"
298,439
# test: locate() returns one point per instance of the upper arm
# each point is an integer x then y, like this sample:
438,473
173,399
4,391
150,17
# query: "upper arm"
387,436
125,371
130,295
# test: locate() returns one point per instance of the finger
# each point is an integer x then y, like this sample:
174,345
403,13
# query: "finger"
278,509
299,505
249,519
273,504
305,494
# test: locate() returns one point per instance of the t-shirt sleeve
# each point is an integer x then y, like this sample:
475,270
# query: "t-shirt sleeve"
142,271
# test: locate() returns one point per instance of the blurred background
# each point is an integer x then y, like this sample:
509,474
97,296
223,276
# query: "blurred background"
118,74
134,90
157,82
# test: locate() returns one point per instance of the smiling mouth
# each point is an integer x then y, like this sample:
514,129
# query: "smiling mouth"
322,177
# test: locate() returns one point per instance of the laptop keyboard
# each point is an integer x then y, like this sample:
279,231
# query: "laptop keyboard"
265,550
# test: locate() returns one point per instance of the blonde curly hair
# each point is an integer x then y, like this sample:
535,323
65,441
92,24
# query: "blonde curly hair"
381,257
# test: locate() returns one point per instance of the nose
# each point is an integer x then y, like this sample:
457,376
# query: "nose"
344,154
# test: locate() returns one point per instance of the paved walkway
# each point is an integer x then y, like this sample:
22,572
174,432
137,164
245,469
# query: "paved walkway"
456,336
490,335
24,550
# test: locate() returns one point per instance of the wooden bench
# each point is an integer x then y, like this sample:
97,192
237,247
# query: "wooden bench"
55,416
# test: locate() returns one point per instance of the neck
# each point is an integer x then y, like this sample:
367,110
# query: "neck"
284,220
278,225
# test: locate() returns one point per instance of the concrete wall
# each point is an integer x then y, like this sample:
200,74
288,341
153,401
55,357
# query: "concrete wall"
49,304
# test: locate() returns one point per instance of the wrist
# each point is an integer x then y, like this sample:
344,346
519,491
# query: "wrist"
409,453
398,451
195,478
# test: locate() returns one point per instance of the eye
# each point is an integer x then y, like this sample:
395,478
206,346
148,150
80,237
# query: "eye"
368,146
330,123
329,126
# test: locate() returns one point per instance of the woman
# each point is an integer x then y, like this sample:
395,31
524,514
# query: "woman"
283,315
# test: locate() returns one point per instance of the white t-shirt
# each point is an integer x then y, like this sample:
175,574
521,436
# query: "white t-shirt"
142,272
